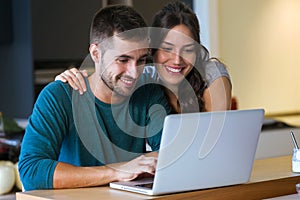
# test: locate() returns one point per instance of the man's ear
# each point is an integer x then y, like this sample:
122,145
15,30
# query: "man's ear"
95,53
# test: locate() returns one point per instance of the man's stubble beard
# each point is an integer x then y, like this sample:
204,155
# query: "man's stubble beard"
116,91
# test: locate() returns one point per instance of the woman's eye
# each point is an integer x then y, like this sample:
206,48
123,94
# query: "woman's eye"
189,50
166,49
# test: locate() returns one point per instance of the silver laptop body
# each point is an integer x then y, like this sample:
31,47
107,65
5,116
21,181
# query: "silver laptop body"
203,150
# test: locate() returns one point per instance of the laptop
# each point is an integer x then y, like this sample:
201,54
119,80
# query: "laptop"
201,151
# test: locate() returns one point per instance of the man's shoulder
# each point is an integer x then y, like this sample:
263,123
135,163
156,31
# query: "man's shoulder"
55,90
57,87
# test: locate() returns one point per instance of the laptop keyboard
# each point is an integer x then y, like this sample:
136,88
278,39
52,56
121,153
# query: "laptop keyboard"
146,185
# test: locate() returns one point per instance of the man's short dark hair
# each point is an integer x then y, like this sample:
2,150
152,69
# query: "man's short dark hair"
113,20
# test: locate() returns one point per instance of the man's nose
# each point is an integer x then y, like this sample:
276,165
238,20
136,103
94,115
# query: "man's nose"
133,69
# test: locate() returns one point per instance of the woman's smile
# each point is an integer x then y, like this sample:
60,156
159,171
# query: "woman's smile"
174,69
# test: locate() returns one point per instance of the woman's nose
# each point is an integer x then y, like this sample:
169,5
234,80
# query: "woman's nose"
176,56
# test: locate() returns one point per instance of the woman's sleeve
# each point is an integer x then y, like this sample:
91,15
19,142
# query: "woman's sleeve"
213,68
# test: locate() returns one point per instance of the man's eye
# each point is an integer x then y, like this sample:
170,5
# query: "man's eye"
122,60
142,61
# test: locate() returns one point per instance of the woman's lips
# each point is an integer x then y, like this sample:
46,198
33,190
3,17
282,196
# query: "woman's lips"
174,69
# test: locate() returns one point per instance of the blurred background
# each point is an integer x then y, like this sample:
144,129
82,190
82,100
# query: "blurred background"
257,40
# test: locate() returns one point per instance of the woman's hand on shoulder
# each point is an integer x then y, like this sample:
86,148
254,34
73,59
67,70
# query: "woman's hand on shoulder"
75,78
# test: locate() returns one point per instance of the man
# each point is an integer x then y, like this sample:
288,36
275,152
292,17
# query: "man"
90,140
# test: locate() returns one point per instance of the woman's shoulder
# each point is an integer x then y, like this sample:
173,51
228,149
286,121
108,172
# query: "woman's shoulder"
214,69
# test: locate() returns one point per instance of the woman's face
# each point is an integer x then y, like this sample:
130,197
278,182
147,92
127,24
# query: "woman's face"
176,55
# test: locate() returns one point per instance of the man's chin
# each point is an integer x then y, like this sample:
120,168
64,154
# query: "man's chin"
123,94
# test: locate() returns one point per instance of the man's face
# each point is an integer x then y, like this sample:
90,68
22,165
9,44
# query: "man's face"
122,65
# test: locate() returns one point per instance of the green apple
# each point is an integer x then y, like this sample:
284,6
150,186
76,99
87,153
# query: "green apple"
7,176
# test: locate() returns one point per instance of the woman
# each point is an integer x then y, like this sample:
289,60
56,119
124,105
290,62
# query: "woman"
178,63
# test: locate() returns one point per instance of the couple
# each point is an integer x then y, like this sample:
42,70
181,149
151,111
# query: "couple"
99,137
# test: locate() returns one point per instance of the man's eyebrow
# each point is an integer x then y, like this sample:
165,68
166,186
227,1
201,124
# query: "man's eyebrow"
124,56
130,57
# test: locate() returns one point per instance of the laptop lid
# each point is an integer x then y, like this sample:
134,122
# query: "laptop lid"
205,150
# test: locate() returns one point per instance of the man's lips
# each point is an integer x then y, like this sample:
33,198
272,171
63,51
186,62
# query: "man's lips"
129,82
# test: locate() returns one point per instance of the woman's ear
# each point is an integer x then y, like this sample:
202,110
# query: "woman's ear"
95,53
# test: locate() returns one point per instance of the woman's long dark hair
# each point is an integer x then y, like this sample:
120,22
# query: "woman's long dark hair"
171,15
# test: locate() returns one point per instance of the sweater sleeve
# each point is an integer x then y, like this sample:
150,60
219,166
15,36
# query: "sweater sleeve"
43,138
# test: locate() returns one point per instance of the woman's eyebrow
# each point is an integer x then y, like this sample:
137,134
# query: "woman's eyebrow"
171,44
168,43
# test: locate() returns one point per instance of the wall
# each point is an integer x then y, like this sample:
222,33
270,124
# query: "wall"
16,78
60,28
206,11
259,41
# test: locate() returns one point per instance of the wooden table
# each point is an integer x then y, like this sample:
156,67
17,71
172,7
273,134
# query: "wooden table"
270,178
286,197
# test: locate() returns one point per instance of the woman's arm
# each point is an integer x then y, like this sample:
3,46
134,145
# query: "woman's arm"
217,96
